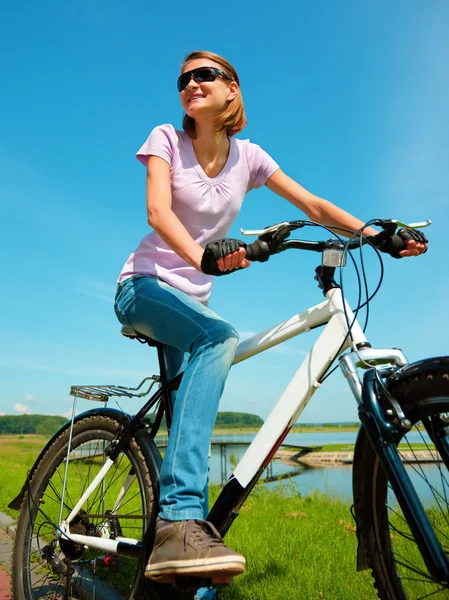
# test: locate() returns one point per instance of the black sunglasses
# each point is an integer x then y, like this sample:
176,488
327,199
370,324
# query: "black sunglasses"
199,75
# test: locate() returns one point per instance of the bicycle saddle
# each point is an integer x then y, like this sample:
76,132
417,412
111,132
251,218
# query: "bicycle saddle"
132,334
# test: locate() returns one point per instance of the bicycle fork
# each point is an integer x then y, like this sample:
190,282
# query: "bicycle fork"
383,436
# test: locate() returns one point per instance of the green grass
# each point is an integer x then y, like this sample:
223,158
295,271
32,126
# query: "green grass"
17,455
296,548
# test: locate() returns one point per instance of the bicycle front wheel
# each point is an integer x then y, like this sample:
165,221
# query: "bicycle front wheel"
122,506
397,565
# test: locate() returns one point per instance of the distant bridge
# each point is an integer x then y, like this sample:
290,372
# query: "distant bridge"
302,451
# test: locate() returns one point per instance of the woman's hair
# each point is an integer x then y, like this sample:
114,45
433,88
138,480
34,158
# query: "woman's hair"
233,118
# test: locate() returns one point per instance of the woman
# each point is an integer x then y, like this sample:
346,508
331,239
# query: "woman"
196,182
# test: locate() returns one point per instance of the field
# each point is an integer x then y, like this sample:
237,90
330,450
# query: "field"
17,455
297,548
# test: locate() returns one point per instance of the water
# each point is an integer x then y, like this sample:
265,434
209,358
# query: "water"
335,481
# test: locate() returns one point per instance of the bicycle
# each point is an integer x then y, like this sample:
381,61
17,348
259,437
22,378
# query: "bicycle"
89,503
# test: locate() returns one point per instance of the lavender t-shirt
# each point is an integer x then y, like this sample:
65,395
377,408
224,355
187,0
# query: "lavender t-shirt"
206,206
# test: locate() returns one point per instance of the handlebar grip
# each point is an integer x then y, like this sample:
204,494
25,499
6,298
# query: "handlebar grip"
391,244
258,251
397,245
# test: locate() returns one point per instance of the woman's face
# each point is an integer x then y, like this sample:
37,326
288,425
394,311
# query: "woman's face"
209,98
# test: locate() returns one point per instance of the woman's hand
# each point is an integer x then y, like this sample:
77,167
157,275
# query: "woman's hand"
235,260
415,243
413,248
224,256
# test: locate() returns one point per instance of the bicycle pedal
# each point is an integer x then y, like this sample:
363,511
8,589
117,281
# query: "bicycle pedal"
220,579
212,580
163,578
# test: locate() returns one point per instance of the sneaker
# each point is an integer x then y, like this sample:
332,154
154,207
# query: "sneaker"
192,548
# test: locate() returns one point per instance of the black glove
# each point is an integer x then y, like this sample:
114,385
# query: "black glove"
219,249
398,242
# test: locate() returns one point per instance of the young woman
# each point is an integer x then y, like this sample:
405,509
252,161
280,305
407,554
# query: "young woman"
196,182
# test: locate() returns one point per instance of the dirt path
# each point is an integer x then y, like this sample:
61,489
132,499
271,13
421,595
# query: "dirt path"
5,565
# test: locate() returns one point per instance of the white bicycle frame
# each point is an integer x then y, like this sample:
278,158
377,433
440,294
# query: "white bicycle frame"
334,339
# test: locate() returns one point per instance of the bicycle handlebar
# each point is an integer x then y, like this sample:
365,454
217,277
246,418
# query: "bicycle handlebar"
273,240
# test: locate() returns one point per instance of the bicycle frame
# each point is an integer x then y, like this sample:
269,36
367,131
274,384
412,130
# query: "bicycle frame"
333,339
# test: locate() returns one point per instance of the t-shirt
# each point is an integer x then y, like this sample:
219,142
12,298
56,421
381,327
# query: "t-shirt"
206,206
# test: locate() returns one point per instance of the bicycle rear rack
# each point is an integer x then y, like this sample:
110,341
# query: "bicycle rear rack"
102,393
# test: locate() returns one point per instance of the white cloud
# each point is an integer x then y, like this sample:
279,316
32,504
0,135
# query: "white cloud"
2,414
29,398
96,289
20,408
67,414
251,400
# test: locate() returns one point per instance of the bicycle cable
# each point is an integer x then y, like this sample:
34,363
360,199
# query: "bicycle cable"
359,306
346,251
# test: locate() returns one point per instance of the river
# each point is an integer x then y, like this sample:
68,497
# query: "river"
331,480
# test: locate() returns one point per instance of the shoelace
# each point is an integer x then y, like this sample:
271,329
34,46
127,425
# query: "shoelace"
203,533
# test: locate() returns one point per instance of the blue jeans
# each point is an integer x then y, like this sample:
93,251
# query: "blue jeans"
203,344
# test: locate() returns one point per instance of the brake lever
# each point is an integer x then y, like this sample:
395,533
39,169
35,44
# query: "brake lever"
259,232
390,225
291,225
276,237
420,225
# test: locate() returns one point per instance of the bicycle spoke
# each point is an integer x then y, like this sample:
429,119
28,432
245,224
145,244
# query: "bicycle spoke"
442,477
97,491
433,483
421,474
431,594
129,500
87,575
410,567
67,492
86,479
111,483
58,499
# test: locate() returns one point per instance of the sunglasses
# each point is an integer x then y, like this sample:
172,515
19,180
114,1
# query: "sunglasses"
199,75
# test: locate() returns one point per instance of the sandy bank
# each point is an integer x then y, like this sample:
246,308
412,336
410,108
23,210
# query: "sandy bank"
327,459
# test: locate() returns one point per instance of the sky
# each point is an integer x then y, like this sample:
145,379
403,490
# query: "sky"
350,98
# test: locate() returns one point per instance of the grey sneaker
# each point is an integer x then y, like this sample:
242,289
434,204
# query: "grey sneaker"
193,548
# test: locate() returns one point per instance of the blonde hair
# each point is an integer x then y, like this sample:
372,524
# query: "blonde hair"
233,118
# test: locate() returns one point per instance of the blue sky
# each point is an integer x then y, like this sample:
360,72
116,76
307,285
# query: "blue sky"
350,98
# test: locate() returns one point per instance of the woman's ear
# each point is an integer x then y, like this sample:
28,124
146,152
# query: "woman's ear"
233,89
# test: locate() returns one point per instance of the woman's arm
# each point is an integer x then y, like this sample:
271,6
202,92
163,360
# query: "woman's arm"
164,221
324,212
161,217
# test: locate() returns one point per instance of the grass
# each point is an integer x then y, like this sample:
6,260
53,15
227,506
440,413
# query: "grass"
296,548
17,455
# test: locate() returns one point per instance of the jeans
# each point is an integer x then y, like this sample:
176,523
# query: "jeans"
203,344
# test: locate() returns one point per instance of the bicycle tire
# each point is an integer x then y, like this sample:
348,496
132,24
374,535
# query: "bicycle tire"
32,577
396,563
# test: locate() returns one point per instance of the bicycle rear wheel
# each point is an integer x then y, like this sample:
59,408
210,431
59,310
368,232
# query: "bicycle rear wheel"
122,506
397,565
